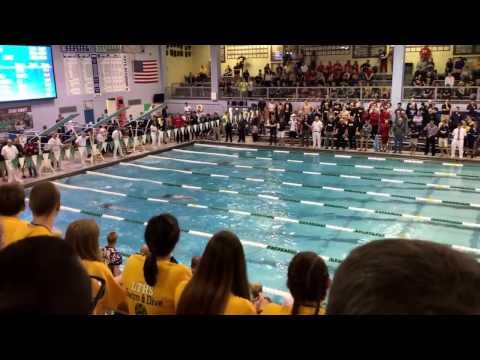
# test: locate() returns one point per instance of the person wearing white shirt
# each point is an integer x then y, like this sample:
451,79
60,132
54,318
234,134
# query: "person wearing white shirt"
101,137
117,148
293,128
10,153
82,147
55,147
153,134
449,80
317,133
458,136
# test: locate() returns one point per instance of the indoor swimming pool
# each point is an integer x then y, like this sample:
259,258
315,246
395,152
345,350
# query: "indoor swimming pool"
279,202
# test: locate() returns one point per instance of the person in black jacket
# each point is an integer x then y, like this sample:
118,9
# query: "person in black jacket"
242,124
228,130
341,130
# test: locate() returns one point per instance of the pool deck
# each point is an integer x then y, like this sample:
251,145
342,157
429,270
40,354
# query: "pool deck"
70,168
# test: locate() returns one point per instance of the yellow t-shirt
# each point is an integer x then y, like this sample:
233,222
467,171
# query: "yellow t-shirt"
235,305
114,294
143,299
276,309
14,229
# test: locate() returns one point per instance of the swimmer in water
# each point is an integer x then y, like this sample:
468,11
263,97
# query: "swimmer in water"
109,206
177,197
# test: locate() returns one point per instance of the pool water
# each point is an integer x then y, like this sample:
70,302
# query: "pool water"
331,231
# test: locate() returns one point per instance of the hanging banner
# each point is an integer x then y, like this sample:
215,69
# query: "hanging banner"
96,75
16,118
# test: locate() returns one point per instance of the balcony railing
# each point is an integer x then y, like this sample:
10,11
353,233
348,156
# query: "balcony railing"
337,92
440,93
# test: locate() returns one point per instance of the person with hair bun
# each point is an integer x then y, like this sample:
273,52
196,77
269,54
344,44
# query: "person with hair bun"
308,281
220,284
151,279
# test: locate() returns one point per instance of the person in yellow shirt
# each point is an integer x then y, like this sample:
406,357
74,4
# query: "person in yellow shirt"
83,236
12,204
151,279
44,202
308,281
220,284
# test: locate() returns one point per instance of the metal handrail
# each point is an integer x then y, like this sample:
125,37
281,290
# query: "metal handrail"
442,93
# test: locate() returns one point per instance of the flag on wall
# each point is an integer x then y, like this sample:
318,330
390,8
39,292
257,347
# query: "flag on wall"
145,71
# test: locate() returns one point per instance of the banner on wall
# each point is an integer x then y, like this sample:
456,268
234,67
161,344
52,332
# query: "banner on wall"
96,75
16,118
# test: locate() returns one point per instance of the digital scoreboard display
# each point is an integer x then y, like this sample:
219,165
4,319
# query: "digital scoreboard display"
26,73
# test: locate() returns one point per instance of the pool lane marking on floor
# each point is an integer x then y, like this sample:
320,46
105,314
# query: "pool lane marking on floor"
461,248
253,214
366,178
411,161
371,193
421,218
196,233
437,173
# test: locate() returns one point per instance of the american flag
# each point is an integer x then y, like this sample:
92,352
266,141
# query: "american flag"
145,71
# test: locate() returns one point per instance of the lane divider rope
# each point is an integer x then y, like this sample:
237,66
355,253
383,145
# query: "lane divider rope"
378,194
414,217
460,248
435,173
367,178
244,213
411,161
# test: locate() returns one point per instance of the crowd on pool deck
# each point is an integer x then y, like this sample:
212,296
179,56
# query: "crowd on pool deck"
434,128
43,271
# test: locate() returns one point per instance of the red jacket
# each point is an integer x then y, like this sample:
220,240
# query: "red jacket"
374,118
178,122
384,129
384,115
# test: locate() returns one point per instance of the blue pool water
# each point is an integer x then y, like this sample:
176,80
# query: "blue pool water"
267,266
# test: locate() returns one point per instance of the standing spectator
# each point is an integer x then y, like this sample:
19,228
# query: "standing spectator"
399,131
352,129
472,110
431,131
413,133
446,111
456,118
228,130
293,128
384,133
449,67
443,132
242,125
111,256
10,153
317,127
341,133
365,134
425,53
458,67
471,139
458,137
31,152
383,61
259,78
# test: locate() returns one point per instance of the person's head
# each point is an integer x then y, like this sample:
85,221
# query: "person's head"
256,289
45,276
221,272
460,124
112,238
307,280
398,276
44,200
161,236
83,134
12,199
83,236
9,142
194,263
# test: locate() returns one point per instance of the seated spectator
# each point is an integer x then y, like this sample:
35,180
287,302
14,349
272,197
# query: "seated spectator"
111,255
308,281
228,71
220,285
449,80
151,281
44,203
45,276
398,276
83,236
12,204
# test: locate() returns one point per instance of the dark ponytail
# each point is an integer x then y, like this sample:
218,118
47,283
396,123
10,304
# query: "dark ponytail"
308,281
161,236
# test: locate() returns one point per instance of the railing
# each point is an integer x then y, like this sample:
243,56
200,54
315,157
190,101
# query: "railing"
337,92
439,93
